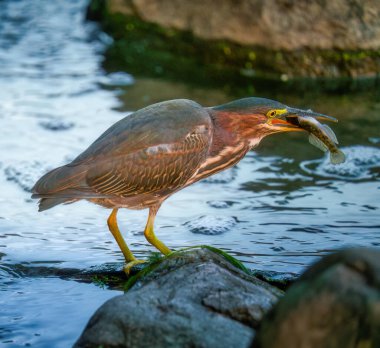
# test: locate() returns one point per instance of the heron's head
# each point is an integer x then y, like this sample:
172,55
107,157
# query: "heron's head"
255,118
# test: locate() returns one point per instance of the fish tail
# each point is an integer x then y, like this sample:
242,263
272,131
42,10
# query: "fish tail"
337,157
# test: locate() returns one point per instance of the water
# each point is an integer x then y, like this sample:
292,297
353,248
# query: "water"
280,209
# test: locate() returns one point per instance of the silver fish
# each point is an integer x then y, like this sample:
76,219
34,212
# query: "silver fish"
323,137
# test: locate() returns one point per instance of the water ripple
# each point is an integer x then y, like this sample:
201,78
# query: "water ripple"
360,160
211,225
24,173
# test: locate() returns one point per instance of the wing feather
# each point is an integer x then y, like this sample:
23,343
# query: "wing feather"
162,123
154,169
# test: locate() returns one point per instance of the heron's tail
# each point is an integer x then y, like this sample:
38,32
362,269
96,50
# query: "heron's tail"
64,184
47,203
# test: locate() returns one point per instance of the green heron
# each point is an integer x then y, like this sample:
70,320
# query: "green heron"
149,155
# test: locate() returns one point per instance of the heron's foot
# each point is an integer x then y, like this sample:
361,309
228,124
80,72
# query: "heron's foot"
131,264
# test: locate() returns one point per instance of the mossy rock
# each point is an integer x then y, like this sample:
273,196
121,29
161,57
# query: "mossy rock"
190,298
158,261
147,49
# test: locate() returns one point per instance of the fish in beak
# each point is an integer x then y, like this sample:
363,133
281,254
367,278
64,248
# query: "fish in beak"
320,135
289,119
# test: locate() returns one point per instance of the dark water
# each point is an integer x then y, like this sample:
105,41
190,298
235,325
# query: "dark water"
280,209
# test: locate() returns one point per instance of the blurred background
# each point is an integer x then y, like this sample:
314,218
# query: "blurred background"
70,69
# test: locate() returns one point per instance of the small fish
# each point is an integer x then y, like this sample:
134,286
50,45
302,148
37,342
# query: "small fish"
323,137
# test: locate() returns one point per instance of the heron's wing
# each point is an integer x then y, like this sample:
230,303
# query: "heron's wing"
153,148
163,123
159,168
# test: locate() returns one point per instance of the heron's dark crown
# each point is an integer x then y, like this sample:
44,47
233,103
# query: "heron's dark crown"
249,105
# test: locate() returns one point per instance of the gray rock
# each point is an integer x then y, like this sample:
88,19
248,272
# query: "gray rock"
280,280
335,304
191,299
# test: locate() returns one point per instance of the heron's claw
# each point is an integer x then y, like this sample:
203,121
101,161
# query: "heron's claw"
130,265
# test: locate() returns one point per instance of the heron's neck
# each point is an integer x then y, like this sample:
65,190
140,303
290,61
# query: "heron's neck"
226,149
233,129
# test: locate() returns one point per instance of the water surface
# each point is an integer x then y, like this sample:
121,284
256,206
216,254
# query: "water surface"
280,209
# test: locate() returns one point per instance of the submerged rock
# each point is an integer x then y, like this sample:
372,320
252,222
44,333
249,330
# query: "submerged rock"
195,298
335,304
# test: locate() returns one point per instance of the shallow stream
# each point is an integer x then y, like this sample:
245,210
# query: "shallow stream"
280,209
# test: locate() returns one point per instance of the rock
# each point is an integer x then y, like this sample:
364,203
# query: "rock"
285,24
335,304
280,280
195,298
243,39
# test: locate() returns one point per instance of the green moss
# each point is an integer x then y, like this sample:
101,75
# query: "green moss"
154,262
228,257
155,257
104,281
151,265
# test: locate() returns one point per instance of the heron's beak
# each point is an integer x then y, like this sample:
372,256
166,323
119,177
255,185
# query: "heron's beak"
288,121
294,113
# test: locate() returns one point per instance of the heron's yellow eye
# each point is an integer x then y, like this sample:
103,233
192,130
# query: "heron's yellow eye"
271,113
276,112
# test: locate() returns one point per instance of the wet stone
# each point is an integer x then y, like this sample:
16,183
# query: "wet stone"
278,279
335,303
211,225
191,299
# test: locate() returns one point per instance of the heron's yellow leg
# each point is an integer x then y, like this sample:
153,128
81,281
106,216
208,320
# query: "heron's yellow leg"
114,229
149,232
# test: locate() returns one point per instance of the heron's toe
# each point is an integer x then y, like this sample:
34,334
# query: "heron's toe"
130,265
